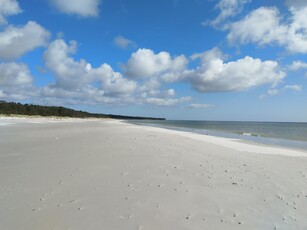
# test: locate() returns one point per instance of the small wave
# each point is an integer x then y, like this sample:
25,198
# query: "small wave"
246,134
6,124
249,134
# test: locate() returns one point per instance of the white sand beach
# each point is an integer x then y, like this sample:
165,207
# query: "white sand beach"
106,174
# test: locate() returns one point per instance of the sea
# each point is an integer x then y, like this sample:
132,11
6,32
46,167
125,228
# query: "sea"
284,134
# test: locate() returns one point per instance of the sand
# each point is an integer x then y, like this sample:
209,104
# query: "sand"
105,174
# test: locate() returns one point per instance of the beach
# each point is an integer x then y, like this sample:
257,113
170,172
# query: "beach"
108,174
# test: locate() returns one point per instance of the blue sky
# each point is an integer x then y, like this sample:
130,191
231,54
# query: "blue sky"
179,59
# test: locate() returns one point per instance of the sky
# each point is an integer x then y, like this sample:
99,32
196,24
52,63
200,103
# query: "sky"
235,60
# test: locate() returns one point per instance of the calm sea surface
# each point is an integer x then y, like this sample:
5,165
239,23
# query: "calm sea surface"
287,134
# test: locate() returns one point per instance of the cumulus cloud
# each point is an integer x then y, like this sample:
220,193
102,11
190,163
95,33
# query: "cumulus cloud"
260,26
150,87
264,26
73,75
15,80
297,65
14,74
70,74
83,8
113,82
176,70
78,80
143,80
215,75
87,95
15,41
212,74
228,8
8,8
144,63
123,42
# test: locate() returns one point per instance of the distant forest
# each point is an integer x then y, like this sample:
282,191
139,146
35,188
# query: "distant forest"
12,108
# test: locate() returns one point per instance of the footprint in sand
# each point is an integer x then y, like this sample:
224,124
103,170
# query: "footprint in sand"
73,201
126,216
124,174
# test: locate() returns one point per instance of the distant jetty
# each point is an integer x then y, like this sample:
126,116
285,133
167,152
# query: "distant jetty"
12,108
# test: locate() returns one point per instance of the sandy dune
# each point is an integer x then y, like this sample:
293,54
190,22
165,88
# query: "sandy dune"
90,174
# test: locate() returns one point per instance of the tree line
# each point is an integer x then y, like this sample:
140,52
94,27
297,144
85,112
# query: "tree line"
12,108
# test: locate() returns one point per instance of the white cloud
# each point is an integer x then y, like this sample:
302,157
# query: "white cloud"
228,8
199,106
260,26
123,43
144,63
14,74
58,96
113,82
176,70
167,101
297,31
150,87
78,80
297,65
215,75
264,26
274,92
15,80
8,8
70,74
211,75
293,87
170,93
83,8
15,41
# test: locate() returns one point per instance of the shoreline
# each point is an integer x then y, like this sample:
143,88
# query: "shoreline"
298,145
107,174
236,144
232,137
229,142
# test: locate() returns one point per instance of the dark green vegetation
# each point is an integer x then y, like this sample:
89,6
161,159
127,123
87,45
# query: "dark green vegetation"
12,108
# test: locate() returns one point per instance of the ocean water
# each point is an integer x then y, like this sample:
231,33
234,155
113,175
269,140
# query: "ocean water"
286,134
